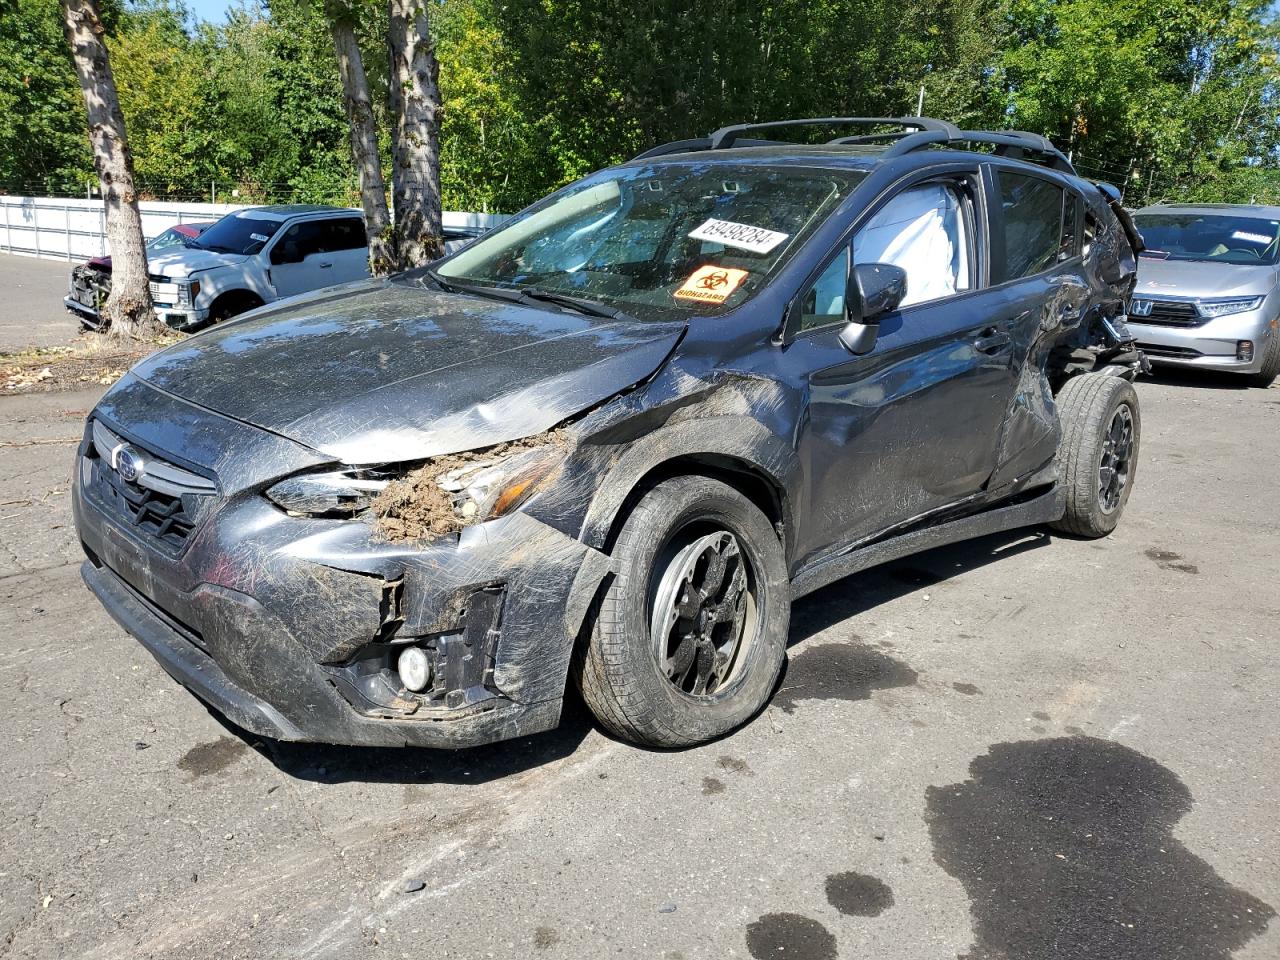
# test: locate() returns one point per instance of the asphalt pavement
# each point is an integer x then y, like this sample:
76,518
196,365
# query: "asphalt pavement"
32,314
1024,747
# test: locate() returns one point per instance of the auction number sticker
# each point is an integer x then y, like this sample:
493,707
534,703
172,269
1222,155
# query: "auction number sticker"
740,235
711,284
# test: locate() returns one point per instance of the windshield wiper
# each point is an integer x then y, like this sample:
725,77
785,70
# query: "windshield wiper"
525,294
578,304
479,289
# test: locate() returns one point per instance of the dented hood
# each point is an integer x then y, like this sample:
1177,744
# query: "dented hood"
387,371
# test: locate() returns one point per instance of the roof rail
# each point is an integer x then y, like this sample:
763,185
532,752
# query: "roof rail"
1015,144
726,137
916,133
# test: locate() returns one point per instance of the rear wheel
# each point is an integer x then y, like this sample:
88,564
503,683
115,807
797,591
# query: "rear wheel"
687,642
1098,453
1270,363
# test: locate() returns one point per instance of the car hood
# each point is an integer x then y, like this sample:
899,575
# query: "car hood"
387,371
184,261
1194,278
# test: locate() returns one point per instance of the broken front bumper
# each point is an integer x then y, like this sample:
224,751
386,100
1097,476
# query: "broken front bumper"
291,626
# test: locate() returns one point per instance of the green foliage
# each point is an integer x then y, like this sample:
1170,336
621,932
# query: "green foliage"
1175,98
1172,94
42,121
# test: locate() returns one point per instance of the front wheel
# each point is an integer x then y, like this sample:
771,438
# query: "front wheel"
688,640
1270,363
1098,453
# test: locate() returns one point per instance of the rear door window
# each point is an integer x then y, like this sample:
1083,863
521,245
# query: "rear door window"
1033,224
344,234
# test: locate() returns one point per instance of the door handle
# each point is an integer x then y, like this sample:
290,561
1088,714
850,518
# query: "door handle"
324,266
991,340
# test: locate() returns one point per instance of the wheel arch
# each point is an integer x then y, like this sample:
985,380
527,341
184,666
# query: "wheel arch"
739,451
237,295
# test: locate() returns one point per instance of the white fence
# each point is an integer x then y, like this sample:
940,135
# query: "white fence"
61,228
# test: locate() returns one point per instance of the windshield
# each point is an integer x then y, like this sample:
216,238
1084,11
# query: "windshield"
170,238
236,233
661,240
1212,237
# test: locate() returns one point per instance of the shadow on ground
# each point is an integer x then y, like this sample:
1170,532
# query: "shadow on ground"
871,588
325,763
1190,377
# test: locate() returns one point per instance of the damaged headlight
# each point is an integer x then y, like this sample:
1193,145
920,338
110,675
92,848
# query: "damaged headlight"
467,487
337,494
491,488
1223,308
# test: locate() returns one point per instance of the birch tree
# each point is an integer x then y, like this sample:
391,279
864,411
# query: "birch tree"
358,105
128,309
414,99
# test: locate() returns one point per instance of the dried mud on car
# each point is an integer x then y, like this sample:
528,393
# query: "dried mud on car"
418,508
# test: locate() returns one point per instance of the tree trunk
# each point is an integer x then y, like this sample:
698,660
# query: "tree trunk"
364,146
128,308
415,133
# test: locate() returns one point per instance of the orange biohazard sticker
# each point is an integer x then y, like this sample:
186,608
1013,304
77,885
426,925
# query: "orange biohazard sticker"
711,284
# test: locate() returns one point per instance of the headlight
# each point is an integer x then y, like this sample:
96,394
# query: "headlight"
478,489
1222,308
490,488
188,290
337,494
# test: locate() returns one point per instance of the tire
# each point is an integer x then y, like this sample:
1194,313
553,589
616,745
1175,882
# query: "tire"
674,524
231,305
1270,363
1094,409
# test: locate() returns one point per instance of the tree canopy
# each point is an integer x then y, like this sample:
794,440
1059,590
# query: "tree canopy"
1176,99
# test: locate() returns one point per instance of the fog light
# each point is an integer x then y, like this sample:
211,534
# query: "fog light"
1244,350
414,667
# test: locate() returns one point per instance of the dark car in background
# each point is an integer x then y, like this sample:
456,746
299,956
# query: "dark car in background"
1208,293
615,438
91,281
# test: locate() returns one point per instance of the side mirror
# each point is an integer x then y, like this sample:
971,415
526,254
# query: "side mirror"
874,289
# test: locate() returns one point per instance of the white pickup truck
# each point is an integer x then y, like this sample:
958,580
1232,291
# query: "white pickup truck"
256,255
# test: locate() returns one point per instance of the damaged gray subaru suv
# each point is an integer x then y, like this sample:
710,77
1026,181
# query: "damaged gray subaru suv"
612,441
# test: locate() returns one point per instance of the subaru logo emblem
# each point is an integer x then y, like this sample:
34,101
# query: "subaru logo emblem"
129,464
1141,308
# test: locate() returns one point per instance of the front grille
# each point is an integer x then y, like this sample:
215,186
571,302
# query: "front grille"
1169,353
164,501
1171,313
90,287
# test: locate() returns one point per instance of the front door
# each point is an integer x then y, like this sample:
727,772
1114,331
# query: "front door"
913,425
295,259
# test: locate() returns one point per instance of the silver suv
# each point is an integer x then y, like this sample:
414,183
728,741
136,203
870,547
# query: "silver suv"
1207,293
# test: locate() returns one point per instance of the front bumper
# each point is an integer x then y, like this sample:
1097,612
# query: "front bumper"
178,318
87,315
279,623
182,318
1212,345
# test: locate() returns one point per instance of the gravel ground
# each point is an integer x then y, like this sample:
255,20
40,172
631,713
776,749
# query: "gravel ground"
1024,747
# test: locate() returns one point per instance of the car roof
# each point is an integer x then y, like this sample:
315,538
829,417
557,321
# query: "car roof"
788,154
286,211
1253,211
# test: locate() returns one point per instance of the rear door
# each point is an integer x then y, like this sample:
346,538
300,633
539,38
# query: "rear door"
347,247
1039,285
912,426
